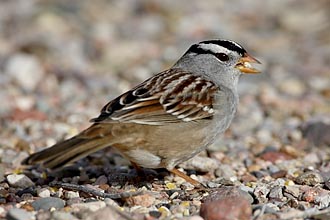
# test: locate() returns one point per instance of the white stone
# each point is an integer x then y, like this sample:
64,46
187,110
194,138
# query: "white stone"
71,194
43,192
25,69
19,180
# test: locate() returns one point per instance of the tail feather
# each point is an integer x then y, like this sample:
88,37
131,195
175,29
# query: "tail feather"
68,151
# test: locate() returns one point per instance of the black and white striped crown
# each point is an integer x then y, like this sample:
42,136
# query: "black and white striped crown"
215,46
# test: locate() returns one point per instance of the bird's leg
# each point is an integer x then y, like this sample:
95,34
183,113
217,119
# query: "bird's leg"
187,178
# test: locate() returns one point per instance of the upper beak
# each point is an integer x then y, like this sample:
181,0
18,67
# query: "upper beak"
244,64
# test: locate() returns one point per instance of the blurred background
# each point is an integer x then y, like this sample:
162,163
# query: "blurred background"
61,61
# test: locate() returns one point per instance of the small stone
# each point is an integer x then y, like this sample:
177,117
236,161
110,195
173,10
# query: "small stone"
165,212
43,215
26,196
48,203
58,215
318,196
279,174
43,192
226,171
109,213
235,208
144,200
111,202
317,132
292,87
155,214
19,180
230,191
69,202
194,217
170,185
264,136
71,194
276,193
274,156
200,164
88,206
18,214
2,172
261,191
25,69
310,178
101,180
323,200
2,211
292,190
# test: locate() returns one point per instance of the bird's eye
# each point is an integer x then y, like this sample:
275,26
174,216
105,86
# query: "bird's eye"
222,56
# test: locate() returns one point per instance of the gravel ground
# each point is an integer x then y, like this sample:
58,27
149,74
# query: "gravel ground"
61,61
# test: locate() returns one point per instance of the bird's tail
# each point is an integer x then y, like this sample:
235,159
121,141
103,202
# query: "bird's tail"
66,152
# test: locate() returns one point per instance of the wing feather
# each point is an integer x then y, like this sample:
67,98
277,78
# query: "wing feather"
171,96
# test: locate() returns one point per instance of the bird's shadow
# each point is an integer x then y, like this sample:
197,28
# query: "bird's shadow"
89,174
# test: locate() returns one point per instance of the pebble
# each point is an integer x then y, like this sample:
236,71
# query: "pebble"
111,202
101,180
194,217
236,208
88,206
292,190
317,132
226,171
75,200
276,193
318,196
59,215
2,172
165,212
19,180
293,87
19,214
310,178
2,211
43,192
261,191
25,69
200,164
109,213
71,194
144,200
274,156
48,203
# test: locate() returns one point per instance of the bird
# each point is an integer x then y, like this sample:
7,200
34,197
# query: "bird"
167,119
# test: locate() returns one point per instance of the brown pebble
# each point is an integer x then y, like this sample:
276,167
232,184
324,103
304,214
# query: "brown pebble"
27,207
279,174
310,178
274,156
248,178
228,208
145,200
227,203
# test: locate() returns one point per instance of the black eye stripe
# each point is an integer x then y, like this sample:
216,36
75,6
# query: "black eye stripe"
197,49
222,56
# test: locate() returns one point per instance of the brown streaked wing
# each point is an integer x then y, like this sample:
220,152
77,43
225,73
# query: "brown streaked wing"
169,97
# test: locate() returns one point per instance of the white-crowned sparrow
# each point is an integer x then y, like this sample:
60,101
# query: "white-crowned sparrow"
170,117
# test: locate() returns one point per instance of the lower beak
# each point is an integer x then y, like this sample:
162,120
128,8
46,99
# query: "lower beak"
244,64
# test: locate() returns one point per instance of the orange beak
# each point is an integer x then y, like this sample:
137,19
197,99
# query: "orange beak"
244,64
